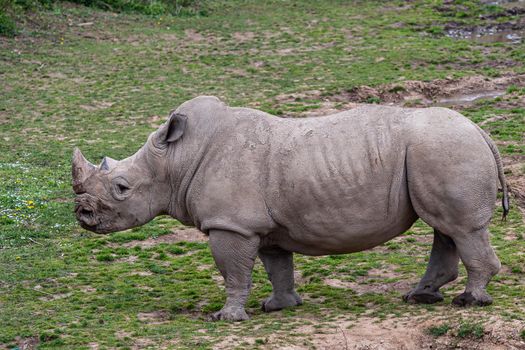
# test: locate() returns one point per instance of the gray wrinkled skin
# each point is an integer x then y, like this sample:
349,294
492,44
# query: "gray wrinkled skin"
269,187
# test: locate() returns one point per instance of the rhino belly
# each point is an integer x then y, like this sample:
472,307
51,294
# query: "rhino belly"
343,238
343,211
330,231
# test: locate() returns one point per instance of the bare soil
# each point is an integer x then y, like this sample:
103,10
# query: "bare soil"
30,343
242,37
447,92
177,235
402,286
193,35
154,317
432,92
366,284
402,333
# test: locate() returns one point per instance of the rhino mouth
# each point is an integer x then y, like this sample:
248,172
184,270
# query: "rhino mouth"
91,214
86,216
86,213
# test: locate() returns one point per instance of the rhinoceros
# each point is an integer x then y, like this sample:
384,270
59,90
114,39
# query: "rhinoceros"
260,185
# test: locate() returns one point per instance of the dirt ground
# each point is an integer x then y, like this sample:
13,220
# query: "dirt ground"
177,235
406,333
449,92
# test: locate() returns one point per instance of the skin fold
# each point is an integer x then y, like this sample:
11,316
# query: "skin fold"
264,186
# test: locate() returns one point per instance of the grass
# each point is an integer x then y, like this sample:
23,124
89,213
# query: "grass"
105,86
438,331
469,329
13,11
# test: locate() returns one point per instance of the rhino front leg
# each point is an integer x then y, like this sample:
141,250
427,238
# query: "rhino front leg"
279,266
234,255
442,268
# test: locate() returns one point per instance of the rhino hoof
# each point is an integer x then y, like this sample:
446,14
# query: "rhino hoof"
422,297
230,314
274,303
472,299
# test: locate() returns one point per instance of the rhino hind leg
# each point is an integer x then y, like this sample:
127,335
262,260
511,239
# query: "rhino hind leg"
481,263
442,268
279,266
452,185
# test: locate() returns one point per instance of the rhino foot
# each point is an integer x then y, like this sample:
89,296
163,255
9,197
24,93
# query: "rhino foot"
423,297
480,298
274,303
229,313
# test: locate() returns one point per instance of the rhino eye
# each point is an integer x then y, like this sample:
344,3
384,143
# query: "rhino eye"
120,188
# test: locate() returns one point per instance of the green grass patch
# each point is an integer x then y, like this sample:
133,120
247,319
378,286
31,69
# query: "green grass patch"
438,331
102,80
127,236
468,329
7,25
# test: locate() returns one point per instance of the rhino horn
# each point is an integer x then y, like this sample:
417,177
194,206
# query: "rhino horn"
81,170
108,163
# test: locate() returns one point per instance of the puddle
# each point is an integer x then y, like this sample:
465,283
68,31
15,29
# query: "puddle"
487,34
468,99
503,36
508,4
493,28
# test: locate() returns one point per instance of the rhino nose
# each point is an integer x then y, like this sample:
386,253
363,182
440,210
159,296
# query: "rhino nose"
85,215
86,212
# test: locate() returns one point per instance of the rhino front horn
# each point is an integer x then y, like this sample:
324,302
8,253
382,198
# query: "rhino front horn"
81,170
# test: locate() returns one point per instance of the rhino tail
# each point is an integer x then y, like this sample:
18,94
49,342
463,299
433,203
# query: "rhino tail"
497,157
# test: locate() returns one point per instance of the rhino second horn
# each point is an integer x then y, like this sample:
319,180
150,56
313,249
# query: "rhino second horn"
108,163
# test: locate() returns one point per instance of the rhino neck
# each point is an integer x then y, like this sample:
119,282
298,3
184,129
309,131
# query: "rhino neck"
183,167
185,160
206,117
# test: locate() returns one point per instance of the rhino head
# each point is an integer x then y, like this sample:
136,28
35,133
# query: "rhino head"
117,195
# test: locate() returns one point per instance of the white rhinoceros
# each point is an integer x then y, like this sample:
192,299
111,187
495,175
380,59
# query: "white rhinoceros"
268,186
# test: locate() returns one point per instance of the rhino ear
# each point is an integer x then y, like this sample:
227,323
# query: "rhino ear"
108,163
173,129
81,169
